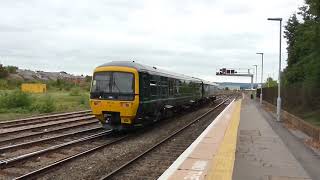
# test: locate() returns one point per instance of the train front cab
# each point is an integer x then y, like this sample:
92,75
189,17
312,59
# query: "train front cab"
114,96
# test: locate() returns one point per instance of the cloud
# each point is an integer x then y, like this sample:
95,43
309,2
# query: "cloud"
191,37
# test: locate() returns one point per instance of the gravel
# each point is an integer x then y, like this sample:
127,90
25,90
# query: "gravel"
154,163
104,161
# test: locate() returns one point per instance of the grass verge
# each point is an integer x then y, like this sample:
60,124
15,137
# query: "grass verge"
14,104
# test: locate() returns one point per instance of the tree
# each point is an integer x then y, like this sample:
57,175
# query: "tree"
11,69
303,38
314,9
270,82
3,72
88,78
305,13
290,35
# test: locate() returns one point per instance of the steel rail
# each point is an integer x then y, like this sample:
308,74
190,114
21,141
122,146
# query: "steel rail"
10,147
32,122
47,132
42,117
90,117
9,161
161,142
36,173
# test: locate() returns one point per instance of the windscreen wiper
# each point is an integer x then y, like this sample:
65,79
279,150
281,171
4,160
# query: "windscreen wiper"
114,83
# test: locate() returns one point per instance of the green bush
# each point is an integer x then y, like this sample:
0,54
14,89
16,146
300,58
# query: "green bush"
3,72
12,69
9,84
14,83
60,84
88,79
15,99
67,87
3,84
84,100
75,91
46,106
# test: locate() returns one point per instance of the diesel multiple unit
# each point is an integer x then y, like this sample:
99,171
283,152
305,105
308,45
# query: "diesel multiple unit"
126,94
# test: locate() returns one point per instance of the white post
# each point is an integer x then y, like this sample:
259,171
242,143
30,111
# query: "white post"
279,76
251,81
256,73
279,79
261,77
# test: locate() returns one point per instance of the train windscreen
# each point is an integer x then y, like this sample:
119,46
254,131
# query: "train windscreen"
112,85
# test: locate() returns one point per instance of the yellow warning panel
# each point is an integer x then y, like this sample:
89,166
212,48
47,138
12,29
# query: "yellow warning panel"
34,87
223,162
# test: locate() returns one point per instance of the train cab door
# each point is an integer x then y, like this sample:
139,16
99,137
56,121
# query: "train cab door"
144,86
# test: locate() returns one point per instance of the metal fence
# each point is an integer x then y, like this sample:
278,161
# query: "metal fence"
296,102
294,99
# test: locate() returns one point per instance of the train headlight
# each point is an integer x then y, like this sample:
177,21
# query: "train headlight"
125,104
96,102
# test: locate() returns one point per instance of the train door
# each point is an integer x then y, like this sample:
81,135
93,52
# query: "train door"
144,86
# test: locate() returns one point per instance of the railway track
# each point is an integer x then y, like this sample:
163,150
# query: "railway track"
25,141
42,119
13,160
46,132
21,130
38,172
9,131
42,140
29,159
151,163
55,155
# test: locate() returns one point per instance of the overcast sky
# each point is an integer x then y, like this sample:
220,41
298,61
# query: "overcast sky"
193,37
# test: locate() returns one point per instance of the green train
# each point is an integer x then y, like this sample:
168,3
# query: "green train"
126,94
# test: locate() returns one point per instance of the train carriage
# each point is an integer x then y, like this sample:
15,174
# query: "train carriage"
210,90
126,94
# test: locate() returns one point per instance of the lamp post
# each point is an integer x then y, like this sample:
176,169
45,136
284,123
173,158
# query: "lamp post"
256,72
261,76
279,81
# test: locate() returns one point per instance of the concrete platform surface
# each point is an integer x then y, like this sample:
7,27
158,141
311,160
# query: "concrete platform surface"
261,154
212,154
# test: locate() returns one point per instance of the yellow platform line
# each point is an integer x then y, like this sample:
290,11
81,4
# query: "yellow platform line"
223,162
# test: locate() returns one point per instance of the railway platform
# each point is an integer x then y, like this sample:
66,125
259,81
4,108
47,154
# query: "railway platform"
239,144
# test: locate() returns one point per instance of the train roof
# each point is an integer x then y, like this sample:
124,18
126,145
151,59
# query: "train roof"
151,70
210,83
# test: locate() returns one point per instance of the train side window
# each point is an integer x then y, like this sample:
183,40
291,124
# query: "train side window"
183,88
171,87
177,87
164,86
153,86
153,82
